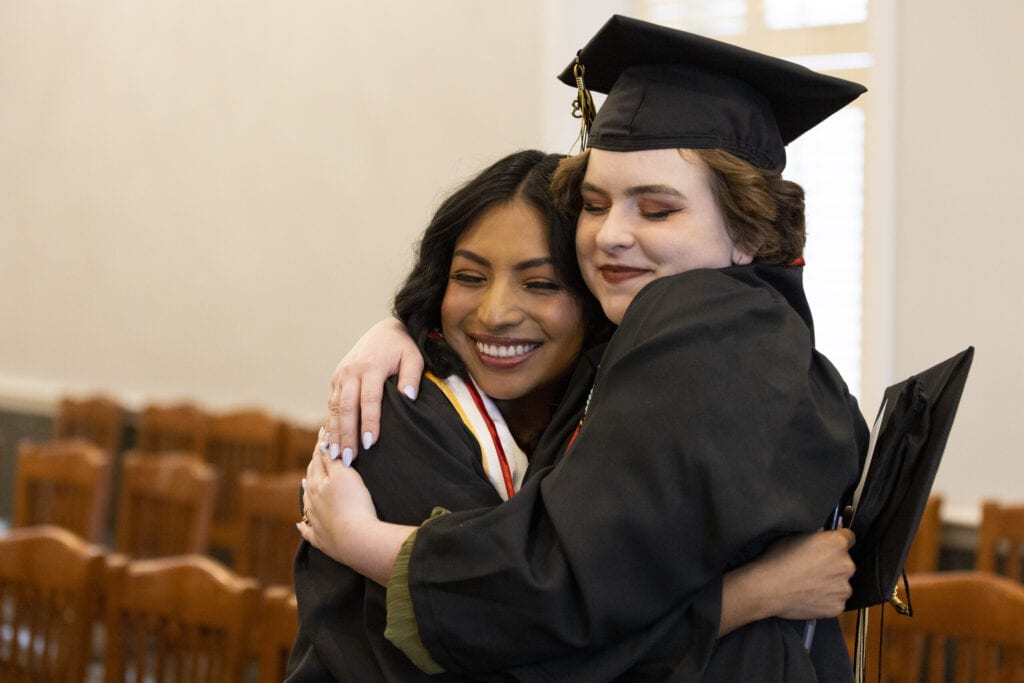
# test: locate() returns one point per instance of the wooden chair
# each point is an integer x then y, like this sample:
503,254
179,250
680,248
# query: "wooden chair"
236,442
967,626
98,419
924,552
176,619
297,444
166,504
63,482
1001,540
268,511
50,582
278,626
179,427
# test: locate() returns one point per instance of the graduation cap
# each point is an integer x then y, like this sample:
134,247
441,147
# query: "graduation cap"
672,89
907,442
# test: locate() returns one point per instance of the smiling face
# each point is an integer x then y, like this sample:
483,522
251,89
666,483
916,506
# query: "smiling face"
646,215
505,310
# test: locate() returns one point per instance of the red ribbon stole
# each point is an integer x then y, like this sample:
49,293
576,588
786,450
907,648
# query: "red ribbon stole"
506,472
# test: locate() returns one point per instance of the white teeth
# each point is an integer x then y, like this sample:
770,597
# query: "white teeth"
499,351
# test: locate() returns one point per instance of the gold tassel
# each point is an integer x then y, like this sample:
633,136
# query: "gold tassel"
900,606
582,107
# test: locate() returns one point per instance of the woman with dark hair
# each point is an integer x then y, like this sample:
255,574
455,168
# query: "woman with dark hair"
711,427
496,262
499,310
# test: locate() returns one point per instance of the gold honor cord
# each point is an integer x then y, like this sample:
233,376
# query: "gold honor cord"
582,107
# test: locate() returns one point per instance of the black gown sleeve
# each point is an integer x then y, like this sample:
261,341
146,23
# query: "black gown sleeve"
714,427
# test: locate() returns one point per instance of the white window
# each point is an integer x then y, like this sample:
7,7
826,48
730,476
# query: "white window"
780,14
828,161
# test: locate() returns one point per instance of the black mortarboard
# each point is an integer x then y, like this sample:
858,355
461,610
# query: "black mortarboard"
670,88
908,439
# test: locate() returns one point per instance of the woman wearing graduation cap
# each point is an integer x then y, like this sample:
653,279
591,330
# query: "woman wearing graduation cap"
712,425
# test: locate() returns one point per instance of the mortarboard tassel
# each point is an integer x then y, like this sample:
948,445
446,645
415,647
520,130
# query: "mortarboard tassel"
583,106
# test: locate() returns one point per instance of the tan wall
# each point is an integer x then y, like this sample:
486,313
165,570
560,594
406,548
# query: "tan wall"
210,199
958,241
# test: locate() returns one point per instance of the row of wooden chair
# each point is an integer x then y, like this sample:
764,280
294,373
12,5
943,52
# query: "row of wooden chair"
166,504
169,619
189,618
234,442
236,439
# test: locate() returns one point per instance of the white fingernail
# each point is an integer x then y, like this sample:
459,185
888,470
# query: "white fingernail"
303,483
346,457
335,451
298,527
410,391
367,440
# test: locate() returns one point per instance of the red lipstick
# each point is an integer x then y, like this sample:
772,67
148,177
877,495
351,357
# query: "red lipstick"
619,274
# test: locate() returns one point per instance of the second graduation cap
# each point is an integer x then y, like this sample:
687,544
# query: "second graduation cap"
909,437
669,88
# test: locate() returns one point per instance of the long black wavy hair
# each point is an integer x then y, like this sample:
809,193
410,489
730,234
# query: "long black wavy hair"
524,175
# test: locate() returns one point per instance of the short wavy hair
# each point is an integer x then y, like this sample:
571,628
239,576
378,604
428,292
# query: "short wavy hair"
764,212
524,175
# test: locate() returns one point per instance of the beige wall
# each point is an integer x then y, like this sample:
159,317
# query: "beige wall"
210,200
958,242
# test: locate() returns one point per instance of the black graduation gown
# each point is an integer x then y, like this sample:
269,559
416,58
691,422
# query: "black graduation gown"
424,457
713,428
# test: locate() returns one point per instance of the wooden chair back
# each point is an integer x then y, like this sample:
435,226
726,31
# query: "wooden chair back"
297,444
178,427
1001,540
63,482
182,618
278,627
98,419
50,583
924,551
268,511
967,626
237,442
166,504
